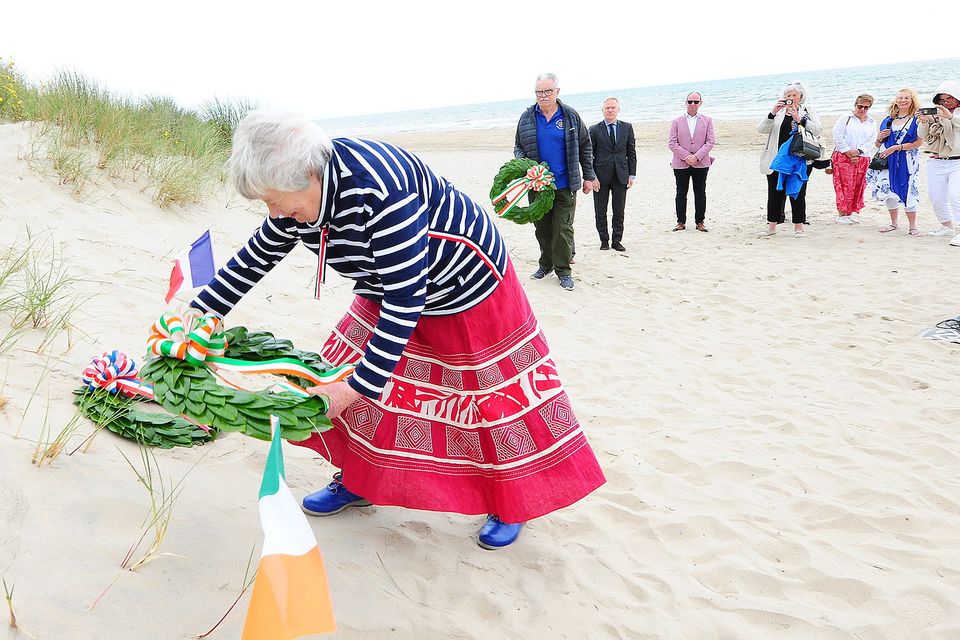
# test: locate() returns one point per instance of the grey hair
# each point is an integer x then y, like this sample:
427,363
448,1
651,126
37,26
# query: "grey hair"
277,150
797,86
548,76
609,98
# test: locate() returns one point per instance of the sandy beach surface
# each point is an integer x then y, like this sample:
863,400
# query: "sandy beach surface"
781,449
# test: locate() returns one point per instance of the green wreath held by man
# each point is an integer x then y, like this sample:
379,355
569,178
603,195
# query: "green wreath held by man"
515,179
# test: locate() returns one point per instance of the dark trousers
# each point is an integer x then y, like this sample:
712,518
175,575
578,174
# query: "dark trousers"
554,233
682,176
776,201
600,199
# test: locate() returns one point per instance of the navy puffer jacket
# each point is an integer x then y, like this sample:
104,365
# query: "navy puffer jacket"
579,149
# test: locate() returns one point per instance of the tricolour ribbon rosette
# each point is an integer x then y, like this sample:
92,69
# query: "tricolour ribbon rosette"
537,178
194,338
114,372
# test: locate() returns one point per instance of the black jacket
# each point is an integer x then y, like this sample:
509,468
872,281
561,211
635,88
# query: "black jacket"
618,162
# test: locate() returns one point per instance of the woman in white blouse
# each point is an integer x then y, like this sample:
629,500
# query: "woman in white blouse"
853,141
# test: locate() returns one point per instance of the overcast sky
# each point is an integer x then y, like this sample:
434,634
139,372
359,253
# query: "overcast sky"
352,57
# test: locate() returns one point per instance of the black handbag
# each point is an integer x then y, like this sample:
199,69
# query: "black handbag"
878,162
805,144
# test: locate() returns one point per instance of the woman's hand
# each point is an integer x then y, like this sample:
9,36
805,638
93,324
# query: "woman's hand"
794,113
340,395
884,134
779,104
944,113
889,151
924,119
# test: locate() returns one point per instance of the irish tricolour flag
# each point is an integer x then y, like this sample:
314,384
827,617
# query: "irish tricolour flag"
290,596
193,268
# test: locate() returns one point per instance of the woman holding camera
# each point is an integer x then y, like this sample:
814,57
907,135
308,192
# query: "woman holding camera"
853,139
786,115
941,139
899,144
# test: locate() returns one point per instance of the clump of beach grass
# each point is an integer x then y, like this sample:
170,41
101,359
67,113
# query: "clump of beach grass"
37,291
176,153
163,495
8,595
47,450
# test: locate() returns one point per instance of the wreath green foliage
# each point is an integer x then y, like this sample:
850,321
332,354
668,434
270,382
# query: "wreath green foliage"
122,416
542,200
183,389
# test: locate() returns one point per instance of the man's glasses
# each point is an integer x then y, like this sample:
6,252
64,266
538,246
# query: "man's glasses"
546,93
863,106
693,102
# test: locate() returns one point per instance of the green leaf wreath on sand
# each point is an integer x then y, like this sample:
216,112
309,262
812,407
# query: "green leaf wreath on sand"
189,391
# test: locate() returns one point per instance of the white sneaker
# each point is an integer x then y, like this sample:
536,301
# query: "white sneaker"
956,241
855,217
942,230
844,220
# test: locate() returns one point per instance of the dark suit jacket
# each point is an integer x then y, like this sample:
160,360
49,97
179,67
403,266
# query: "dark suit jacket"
618,162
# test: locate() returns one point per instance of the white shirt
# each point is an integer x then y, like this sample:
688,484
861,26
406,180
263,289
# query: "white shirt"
691,124
849,133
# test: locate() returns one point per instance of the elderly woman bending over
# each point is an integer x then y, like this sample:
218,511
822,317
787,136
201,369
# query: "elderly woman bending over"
455,403
787,114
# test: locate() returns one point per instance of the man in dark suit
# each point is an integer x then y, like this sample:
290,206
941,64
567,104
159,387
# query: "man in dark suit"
615,163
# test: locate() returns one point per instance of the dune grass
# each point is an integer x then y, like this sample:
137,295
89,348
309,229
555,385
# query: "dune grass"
85,130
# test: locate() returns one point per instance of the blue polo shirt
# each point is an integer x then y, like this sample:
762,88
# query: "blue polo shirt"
552,145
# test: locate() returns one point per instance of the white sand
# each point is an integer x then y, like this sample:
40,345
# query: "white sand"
781,450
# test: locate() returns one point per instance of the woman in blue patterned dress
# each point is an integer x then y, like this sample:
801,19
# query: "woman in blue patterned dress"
896,186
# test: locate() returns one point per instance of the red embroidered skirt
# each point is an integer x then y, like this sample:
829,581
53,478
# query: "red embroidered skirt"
474,419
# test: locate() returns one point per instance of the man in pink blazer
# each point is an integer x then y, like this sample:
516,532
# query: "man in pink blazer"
691,139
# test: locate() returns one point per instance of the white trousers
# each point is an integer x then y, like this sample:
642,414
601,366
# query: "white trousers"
943,182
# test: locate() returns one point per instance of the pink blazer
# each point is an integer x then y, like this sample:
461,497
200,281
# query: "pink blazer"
700,145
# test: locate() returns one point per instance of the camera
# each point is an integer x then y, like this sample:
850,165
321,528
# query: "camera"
928,111
788,101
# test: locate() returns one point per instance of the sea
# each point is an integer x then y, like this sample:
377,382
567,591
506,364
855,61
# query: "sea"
831,92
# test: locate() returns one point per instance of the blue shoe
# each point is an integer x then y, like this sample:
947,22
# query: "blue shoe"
540,273
496,534
332,500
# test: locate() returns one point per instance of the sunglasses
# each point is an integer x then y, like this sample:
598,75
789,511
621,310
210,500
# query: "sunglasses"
863,106
693,102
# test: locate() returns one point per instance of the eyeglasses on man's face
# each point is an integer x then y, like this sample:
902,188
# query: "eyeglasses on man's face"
545,93
693,102
863,106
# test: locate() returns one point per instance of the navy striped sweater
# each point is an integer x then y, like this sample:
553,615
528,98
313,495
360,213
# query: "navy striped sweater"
410,240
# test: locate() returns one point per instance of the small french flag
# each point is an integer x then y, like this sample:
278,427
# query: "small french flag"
194,267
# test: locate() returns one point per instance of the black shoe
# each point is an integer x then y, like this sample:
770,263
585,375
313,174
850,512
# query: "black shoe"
618,247
604,246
